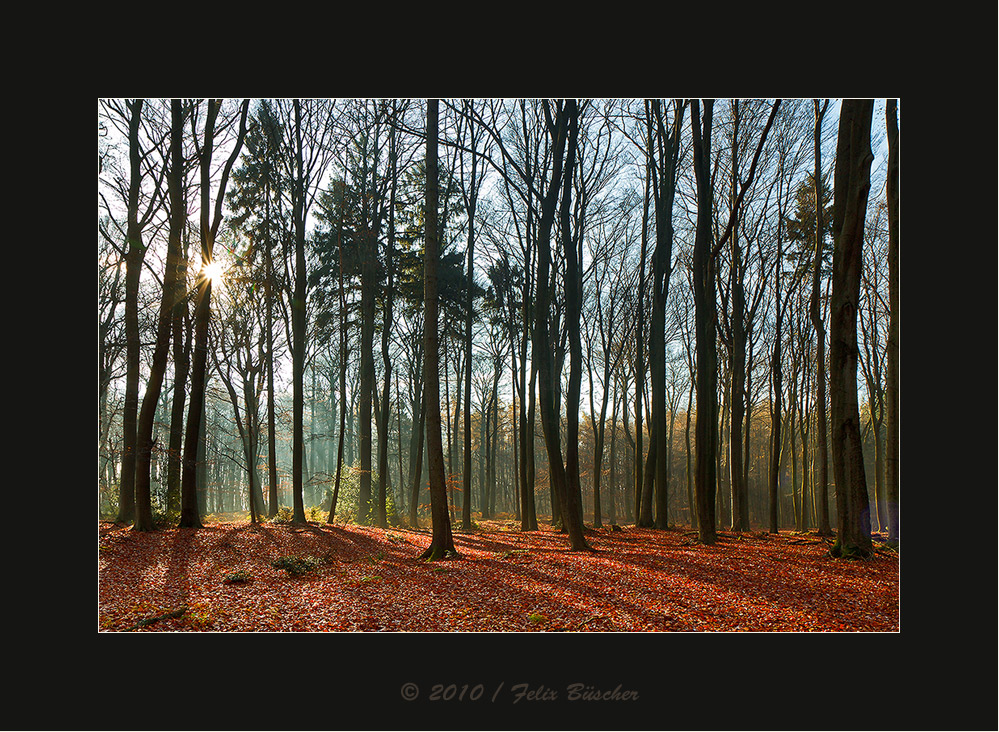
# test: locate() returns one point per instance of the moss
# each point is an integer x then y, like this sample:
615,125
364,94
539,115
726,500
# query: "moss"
849,550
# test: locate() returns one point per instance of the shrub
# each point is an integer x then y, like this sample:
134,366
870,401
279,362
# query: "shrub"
296,566
348,499
284,515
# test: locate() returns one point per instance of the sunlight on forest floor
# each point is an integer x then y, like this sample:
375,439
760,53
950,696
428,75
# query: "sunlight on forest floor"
236,577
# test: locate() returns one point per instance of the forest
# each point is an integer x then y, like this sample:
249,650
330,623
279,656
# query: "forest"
554,345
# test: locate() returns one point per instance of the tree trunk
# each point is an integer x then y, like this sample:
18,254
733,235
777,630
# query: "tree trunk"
298,325
891,450
547,374
416,457
193,439
442,544
822,469
133,271
189,513
367,375
664,177
343,373
170,301
272,479
643,484
466,473
706,428
381,518
852,186
181,360
738,361
573,307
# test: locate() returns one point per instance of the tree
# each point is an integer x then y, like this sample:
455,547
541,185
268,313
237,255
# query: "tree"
239,358
173,290
892,456
706,427
470,194
815,314
141,206
852,183
306,153
663,171
442,543
210,223
256,200
611,284
381,518
704,264
563,131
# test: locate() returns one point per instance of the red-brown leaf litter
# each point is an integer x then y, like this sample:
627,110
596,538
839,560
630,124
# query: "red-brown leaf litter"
223,578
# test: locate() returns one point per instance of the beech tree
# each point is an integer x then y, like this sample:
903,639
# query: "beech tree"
470,194
892,455
140,190
663,152
815,314
308,126
173,289
211,220
852,185
442,543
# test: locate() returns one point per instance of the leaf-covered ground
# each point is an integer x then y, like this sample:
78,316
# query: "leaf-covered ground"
223,578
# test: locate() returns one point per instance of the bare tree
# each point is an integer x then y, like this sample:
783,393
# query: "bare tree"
815,314
307,128
852,186
171,301
891,457
142,203
442,543
663,151
211,220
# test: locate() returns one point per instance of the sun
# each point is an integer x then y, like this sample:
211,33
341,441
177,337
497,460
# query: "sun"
213,271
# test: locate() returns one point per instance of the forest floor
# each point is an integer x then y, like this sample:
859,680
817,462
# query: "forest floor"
223,578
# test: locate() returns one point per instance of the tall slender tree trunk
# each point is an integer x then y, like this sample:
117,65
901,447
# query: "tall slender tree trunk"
416,456
573,306
367,377
342,368
193,460
442,543
852,186
706,427
298,325
547,374
643,485
738,363
272,479
189,510
181,366
664,176
466,472
133,271
172,293
815,314
380,517
892,447
691,501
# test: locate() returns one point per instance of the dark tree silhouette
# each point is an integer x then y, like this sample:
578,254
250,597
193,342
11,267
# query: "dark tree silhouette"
442,543
852,185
